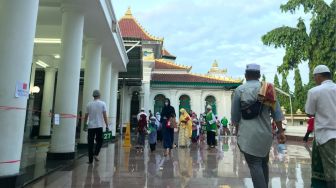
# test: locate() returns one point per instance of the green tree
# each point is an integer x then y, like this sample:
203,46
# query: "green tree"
284,100
316,46
263,78
276,81
299,92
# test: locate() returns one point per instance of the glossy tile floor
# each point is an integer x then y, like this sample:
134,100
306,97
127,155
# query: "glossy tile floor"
193,167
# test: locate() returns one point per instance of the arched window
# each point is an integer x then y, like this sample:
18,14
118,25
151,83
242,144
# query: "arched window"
211,100
185,103
159,103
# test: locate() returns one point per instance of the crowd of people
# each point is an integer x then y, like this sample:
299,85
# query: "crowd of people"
257,118
190,128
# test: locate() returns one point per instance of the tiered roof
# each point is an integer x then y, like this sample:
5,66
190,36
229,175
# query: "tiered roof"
169,73
165,53
167,65
130,28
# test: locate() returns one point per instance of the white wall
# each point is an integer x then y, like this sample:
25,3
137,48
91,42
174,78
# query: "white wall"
197,99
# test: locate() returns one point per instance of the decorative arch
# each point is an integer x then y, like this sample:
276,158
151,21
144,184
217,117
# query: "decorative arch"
159,103
211,100
185,103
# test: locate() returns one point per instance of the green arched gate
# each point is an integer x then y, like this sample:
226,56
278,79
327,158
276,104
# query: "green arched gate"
185,103
159,101
211,100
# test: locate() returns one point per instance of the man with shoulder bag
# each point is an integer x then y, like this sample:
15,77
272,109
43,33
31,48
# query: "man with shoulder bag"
253,105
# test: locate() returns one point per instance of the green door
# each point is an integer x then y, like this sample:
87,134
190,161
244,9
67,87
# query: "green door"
185,103
211,100
159,103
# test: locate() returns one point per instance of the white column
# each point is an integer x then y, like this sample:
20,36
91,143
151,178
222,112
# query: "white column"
63,137
122,105
16,49
105,82
196,104
47,101
114,100
127,107
146,98
174,101
142,100
32,75
91,78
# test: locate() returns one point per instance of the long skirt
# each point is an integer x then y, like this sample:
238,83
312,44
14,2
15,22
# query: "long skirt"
183,137
141,138
168,137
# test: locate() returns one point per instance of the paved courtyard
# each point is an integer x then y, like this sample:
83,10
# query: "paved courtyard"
186,167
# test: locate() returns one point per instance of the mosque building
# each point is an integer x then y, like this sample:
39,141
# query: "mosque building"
153,75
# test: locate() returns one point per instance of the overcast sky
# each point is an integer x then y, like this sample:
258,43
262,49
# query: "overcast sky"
198,31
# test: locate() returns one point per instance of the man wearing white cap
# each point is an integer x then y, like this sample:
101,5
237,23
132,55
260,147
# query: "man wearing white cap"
211,127
254,129
321,103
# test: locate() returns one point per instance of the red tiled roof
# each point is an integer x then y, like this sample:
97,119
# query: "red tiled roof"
162,64
187,78
129,27
166,53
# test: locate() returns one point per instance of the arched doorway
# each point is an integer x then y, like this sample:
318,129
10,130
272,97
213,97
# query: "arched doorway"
211,100
185,103
135,108
159,103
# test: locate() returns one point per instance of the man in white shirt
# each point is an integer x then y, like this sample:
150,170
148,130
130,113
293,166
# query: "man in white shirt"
95,119
321,103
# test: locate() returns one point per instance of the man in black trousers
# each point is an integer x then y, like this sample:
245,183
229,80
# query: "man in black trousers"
95,118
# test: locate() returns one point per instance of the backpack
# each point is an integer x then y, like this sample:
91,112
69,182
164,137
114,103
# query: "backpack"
251,111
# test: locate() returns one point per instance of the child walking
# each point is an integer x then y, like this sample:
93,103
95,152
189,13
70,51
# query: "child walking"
152,136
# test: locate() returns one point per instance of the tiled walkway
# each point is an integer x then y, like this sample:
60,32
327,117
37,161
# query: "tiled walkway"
194,167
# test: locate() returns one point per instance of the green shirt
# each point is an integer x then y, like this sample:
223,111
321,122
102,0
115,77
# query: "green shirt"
211,122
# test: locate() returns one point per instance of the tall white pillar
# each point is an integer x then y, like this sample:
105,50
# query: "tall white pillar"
122,106
146,98
142,101
63,137
127,107
114,101
105,82
174,101
16,49
91,78
47,101
32,75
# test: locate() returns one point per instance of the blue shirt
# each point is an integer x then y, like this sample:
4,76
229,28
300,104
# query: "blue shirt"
254,135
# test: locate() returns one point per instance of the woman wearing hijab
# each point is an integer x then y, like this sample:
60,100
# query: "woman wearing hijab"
185,128
167,113
195,128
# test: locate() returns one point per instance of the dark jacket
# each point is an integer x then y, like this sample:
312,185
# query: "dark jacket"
167,112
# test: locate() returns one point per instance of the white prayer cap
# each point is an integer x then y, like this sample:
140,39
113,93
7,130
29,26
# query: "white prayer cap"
321,69
253,67
209,107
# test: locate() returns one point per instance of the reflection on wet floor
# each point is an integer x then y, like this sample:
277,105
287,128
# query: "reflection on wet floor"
187,167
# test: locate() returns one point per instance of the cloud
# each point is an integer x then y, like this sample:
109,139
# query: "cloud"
198,31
